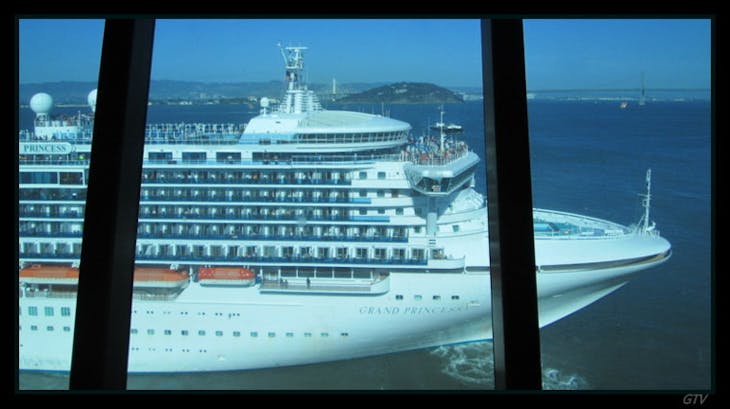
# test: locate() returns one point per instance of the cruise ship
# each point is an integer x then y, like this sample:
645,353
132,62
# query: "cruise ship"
306,235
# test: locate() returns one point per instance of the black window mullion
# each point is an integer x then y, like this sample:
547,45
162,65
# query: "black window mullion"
509,193
101,334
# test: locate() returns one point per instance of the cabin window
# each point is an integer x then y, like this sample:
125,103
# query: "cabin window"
219,333
66,329
38,177
236,334
71,178
201,332
436,297
150,332
168,332
361,252
455,228
344,334
34,328
133,331
399,211
184,333
289,334
272,334
193,157
65,311
399,297
254,334
454,297
324,334
49,328
363,175
228,157
307,335
160,156
417,297
381,175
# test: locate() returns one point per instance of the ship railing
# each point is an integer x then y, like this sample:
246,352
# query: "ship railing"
256,217
29,194
82,137
70,214
377,285
279,259
24,160
173,138
253,200
296,260
47,294
48,255
274,237
243,181
51,234
349,158
431,154
571,226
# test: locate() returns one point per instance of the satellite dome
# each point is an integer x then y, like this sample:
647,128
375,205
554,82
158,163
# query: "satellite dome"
264,102
41,103
91,99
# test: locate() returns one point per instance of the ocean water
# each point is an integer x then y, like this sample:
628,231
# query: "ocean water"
588,157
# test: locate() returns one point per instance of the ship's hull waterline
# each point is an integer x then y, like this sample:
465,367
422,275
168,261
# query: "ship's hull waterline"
260,330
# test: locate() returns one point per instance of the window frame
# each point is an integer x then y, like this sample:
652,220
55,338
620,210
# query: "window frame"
100,362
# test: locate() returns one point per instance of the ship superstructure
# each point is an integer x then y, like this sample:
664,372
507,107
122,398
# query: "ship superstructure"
305,235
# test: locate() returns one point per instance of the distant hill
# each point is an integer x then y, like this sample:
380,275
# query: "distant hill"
67,92
404,93
64,92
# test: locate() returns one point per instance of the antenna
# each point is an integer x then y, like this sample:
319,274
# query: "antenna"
642,96
442,135
294,63
646,228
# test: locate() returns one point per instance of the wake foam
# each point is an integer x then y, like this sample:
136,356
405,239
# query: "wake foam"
473,366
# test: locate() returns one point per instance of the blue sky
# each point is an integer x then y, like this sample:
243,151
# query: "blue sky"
560,54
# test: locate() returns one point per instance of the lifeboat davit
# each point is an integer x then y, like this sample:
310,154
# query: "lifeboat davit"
39,274
228,276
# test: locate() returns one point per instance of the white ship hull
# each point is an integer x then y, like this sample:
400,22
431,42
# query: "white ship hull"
275,330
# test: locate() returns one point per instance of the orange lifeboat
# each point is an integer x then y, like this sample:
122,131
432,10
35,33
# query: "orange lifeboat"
229,276
39,274
144,277
149,277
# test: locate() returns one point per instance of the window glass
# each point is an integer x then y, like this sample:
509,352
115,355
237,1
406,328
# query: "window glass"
274,213
58,68
609,101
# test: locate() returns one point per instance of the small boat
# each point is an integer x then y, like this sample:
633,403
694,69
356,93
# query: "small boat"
447,128
143,277
228,276
146,277
40,274
442,126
